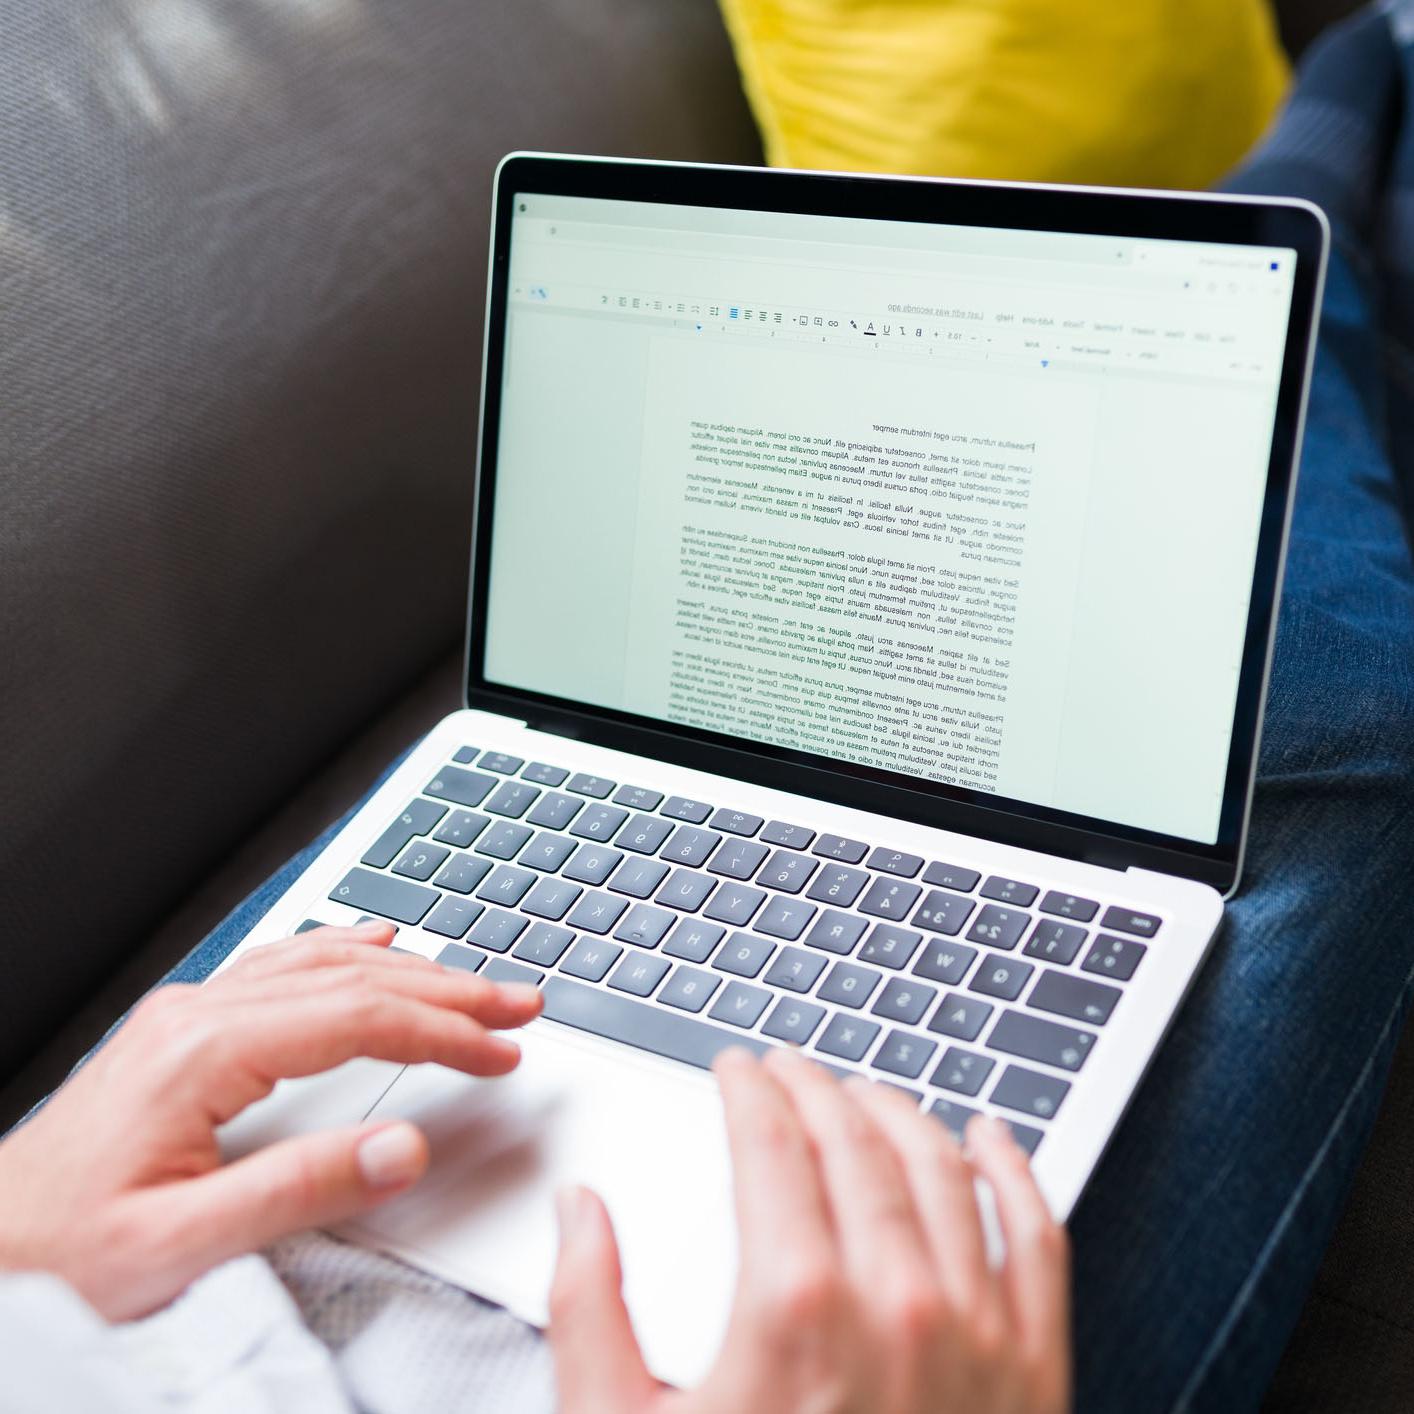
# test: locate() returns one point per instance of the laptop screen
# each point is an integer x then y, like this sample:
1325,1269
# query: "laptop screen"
973,506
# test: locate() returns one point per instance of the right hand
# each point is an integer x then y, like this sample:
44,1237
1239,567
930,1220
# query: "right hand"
864,1283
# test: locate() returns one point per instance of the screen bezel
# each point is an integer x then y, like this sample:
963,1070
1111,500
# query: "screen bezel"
1092,211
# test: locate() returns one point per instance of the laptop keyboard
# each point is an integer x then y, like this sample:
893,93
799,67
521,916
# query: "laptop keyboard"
683,927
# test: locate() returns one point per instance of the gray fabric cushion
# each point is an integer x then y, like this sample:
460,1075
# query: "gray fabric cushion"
242,260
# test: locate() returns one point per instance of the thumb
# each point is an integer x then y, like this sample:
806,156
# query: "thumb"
310,1181
598,1366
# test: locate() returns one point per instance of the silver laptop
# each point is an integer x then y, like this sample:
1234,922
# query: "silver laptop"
872,595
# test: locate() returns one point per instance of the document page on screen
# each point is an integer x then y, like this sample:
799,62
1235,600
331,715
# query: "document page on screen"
975,507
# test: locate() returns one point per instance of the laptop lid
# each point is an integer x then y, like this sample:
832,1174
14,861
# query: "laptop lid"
960,502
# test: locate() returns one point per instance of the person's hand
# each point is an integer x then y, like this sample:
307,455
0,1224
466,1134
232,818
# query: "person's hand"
117,1185
864,1284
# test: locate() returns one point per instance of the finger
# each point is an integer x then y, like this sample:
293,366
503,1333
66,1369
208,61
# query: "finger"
873,1209
781,1208
311,1181
943,1195
1036,1271
598,1366
297,950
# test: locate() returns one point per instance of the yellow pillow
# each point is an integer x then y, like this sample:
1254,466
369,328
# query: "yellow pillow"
1166,93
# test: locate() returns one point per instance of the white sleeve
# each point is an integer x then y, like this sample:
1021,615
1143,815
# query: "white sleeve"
233,1343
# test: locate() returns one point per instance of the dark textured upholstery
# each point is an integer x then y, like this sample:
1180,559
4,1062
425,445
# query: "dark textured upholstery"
242,261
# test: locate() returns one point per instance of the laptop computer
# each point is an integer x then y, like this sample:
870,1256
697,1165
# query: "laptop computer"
872,595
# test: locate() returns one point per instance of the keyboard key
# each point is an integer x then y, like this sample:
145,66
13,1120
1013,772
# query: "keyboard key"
1028,1138
512,799
310,924
734,903
465,755
453,916
496,929
741,1004
591,958
944,962
644,834
793,1021
1010,891
838,847
785,917
551,898
904,1001
639,877
849,984
416,820
595,786
689,988
644,925
736,822
1001,977
597,822
786,871
638,973
544,943
893,861
460,787
460,828
544,775
462,873
942,913
795,969
1029,1092
421,861
506,885
554,810
951,876
847,1037
953,1115
1056,942
889,946
398,899
1124,920
679,807
998,927
960,1016
592,863
837,884
743,955
650,1028
547,852
963,1071
596,912
1113,957
691,846
693,940
888,898
1067,995
1020,1034
457,955
791,836
836,932
904,1053
1082,910
638,797
686,889
499,762
503,840
738,859
500,969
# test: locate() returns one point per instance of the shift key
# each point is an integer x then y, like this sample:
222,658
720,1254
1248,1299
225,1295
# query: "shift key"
398,899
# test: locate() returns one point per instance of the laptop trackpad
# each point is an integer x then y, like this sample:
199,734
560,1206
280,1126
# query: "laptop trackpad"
646,1135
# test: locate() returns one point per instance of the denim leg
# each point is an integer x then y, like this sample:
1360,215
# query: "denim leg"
1204,1226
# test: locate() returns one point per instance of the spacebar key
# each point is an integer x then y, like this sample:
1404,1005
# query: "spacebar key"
647,1027
389,898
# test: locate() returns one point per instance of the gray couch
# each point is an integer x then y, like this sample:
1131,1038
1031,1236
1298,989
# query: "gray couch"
241,274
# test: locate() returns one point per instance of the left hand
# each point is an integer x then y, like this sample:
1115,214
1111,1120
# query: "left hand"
117,1185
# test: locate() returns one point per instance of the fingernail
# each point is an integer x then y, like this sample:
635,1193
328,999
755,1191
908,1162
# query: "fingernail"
371,926
568,1202
519,993
390,1156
